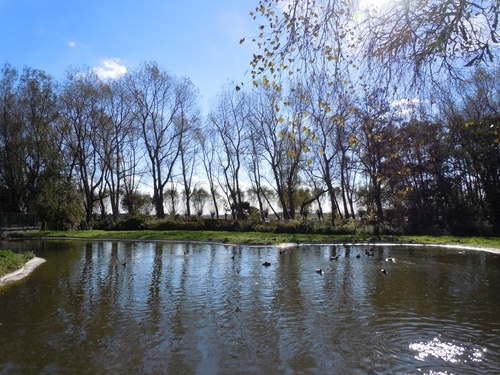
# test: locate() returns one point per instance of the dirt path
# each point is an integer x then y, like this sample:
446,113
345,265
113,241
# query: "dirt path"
21,272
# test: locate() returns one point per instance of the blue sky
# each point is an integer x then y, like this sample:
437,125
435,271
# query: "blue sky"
197,39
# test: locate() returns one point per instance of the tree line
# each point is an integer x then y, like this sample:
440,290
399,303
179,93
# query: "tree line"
83,148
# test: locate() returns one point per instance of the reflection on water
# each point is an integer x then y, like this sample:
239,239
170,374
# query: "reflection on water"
447,351
127,307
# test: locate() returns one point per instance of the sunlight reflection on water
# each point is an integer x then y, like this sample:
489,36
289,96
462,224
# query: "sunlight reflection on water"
447,351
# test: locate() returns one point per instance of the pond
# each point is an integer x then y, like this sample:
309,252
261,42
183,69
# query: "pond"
102,307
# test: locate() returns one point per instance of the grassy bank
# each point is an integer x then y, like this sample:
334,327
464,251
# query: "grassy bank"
10,261
262,238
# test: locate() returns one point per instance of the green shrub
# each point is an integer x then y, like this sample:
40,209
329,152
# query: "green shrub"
287,227
136,222
179,223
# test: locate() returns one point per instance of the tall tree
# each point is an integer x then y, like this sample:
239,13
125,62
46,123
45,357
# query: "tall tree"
474,124
158,102
12,177
82,116
230,119
266,126
279,123
207,139
188,124
118,142
374,141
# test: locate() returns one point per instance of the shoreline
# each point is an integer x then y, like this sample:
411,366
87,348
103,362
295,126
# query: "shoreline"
22,272
32,264
493,250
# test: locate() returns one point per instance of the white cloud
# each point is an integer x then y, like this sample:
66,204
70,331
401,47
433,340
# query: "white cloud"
407,102
72,44
110,69
406,107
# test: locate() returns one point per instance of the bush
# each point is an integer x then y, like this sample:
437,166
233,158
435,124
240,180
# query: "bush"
222,225
179,223
130,223
288,227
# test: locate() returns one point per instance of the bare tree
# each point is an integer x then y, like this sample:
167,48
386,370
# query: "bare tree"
279,126
188,124
117,139
158,103
266,136
329,108
207,140
230,119
82,114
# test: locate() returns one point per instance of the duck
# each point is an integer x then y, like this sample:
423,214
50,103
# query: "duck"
282,252
319,271
383,271
266,264
392,260
358,256
334,258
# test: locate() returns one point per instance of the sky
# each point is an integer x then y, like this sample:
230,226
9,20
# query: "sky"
198,39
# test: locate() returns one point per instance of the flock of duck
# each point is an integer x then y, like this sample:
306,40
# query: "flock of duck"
368,253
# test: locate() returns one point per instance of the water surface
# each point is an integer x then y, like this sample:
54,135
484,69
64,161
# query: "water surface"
101,307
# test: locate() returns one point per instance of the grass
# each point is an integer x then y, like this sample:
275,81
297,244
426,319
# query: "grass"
10,261
263,238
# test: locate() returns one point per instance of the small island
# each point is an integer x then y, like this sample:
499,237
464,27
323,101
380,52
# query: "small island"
14,267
